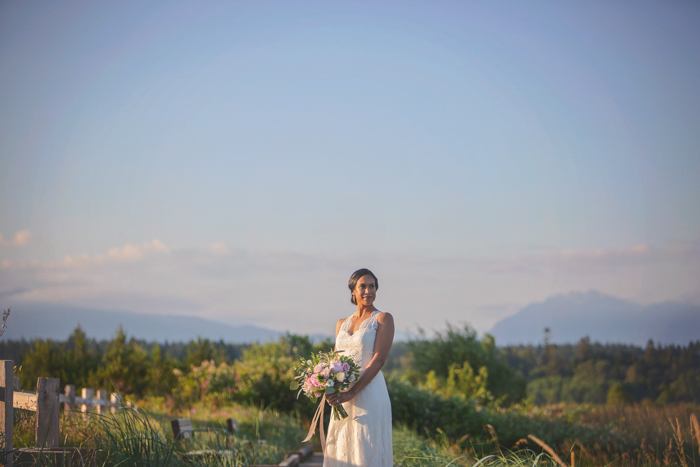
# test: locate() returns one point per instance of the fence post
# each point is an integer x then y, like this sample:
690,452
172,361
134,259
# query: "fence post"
101,396
47,409
87,394
69,391
115,399
7,373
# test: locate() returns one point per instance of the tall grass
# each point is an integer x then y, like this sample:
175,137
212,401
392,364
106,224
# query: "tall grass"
412,450
132,437
648,422
139,437
652,436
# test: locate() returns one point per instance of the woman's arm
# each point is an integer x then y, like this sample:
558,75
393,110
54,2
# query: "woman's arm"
382,345
337,330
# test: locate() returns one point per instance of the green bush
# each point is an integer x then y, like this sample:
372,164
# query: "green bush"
206,381
617,396
260,377
458,419
451,352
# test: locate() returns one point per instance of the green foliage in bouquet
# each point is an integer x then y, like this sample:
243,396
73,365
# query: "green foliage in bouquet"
325,373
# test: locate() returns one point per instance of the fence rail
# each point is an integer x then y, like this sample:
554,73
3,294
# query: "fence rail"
28,401
25,401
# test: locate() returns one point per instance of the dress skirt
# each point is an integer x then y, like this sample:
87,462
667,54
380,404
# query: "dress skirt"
364,438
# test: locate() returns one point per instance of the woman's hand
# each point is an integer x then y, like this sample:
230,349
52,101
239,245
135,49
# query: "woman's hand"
338,398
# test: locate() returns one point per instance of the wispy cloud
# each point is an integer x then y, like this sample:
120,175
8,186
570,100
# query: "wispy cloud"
20,239
126,253
586,261
307,292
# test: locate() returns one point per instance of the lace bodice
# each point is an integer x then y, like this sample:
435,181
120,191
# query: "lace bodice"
360,345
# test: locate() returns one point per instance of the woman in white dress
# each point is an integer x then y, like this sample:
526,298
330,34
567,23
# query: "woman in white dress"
364,438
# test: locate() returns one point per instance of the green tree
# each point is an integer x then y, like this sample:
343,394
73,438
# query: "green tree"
81,360
44,358
202,350
125,365
161,378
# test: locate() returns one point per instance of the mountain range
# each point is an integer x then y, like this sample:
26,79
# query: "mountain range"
601,317
49,321
569,317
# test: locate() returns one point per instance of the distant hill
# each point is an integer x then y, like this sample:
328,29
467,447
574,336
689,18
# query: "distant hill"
48,321
601,317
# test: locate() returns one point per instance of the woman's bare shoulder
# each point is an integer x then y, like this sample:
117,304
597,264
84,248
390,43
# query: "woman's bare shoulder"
338,325
385,318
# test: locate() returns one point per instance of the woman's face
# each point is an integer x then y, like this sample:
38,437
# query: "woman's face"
365,290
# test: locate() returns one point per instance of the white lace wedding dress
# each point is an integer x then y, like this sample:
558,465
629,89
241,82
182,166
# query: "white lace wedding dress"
364,438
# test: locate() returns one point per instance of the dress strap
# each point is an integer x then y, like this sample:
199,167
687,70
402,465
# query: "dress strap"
346,324
372,321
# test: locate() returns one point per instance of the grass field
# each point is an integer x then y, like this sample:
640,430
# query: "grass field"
656,436
659,435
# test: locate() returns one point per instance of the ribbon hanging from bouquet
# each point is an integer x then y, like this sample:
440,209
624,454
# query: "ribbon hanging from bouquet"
318,419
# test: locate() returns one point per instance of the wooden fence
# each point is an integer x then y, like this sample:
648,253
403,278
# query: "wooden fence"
46,403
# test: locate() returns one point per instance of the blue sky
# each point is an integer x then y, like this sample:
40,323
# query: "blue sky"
239,160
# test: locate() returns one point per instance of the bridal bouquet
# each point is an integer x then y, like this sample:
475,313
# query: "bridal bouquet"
323,374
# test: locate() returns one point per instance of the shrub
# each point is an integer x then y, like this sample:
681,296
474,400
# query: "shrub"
260,377
459,419
617,395
451,352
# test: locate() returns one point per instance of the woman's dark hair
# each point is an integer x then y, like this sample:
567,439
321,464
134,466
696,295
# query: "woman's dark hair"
356,277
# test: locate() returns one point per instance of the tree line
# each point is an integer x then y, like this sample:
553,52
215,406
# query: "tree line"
591,372
128,365
454,363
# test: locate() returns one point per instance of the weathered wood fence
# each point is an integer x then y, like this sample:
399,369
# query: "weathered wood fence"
46,403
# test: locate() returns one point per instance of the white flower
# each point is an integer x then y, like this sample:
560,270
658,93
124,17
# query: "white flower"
340,375
329,383
309,362
352,378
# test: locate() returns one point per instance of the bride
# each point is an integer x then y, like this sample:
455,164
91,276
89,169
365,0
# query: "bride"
364,438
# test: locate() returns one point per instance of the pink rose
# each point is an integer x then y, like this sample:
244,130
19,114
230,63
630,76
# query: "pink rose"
346,367
318,368
336,366
313,381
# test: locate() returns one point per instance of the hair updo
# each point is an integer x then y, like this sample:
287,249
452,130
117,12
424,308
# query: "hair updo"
352,283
